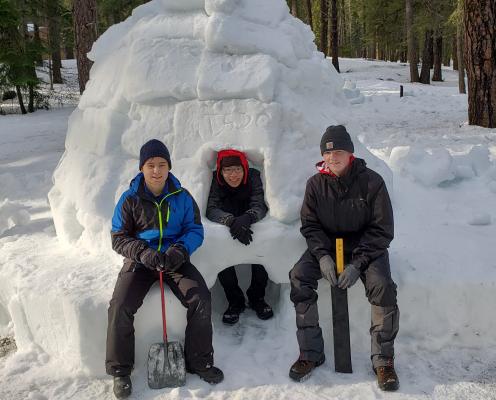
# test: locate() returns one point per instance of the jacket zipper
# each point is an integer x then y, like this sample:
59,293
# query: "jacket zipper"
160,223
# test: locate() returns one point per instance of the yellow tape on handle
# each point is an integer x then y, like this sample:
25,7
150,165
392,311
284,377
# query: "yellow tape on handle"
339,256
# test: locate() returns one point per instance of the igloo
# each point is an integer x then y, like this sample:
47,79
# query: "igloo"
200,75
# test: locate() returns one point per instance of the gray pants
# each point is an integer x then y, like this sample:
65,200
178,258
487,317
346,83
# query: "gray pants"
380,291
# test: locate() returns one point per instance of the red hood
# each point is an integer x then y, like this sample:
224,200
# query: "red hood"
321,167
231,152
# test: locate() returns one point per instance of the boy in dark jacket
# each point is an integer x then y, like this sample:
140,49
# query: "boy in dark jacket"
236,200
156,226
345,200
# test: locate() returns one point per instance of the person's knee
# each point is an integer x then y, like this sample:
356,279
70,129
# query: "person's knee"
199,297
297,273
381,291
303,286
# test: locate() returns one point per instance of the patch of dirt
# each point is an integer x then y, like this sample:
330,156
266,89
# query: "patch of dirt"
7,345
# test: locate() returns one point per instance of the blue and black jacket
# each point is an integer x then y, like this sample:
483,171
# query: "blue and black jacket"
141,220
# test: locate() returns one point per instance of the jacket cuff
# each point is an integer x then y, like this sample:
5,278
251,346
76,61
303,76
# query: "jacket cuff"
253,216
228,220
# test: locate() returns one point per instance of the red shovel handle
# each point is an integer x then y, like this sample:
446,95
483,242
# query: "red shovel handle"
164,324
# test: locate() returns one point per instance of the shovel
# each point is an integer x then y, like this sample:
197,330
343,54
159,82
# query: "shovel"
340,318
166,365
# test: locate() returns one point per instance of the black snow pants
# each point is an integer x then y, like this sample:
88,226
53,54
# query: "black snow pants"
380,291
131,287
234,294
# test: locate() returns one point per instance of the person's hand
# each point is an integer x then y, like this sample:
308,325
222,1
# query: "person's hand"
151,259
240,225
349,276
175,256
245,236
328,269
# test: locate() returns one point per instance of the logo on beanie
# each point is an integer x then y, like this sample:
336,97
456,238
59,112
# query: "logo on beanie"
329,145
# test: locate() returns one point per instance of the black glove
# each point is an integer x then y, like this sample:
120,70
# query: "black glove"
151,259
240,224
245,236
175,256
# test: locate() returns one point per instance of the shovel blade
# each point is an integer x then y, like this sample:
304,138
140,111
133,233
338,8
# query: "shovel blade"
166,365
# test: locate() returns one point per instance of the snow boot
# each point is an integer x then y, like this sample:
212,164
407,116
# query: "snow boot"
262,309
302,369
387,379
122,386
209,374
231,315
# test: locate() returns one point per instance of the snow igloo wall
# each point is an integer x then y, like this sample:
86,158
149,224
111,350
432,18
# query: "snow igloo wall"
201,76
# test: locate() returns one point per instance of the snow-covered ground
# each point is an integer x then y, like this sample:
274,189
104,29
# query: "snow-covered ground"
444,194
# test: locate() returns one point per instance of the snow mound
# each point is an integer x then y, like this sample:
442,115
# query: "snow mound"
434,167
352,93
12,214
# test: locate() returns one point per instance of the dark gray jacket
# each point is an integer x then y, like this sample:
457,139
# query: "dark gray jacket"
355,207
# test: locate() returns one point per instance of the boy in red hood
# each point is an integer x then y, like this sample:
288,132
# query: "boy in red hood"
236,200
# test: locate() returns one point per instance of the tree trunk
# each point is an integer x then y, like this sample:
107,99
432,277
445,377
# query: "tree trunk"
19,98
334,34
323,26
37,40
69,52
461,66
309,13
294,8
425,74
85,33
437,76
31,98
412,54
455,51
53,20
480,61
447,50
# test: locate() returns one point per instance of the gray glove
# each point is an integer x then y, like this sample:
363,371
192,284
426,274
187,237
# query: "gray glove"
349,276
328,269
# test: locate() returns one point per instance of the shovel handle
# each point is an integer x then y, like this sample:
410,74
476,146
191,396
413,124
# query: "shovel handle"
164,324
339,256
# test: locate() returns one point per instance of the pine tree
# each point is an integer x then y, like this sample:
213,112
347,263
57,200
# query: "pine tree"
480,57
85,34
18,54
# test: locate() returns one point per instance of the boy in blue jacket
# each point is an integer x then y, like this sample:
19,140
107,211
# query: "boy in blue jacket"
156,226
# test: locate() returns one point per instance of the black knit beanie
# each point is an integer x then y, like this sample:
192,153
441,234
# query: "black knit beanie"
336,138
154,148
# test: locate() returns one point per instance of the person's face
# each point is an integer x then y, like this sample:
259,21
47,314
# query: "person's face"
337,161
156,171
233,175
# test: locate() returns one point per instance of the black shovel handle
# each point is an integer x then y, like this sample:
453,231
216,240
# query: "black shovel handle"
164,323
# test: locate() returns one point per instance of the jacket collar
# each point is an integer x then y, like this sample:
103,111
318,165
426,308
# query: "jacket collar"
137,186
